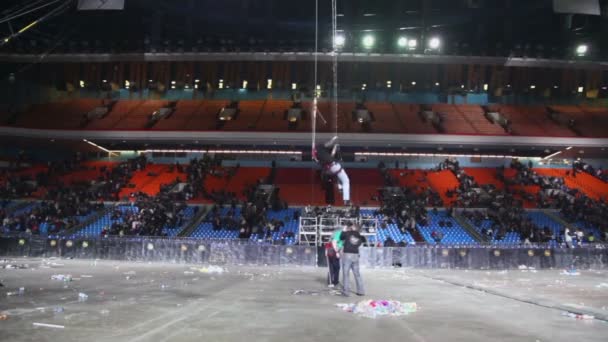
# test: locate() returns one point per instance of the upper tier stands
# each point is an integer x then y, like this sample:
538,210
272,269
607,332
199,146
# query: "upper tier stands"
58,115
589,121
248,116
269,115
532,121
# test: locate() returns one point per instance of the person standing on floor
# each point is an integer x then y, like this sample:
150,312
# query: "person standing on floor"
350,259
333,248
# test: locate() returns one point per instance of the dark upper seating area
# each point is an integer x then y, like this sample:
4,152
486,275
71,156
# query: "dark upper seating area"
271,115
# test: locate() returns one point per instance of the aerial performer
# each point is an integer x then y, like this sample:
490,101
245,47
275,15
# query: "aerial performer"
326,155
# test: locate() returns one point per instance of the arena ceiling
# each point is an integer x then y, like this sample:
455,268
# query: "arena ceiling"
466,27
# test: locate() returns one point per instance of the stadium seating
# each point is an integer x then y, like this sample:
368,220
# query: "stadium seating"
188,214
149,184
205,229
442,181
455,235
94,229
248,116
410,120
269,115
119,111
510,238
385,118
89,171
413,179
542,220
532,121
453,121
474,115
300,186
58,115
584,182
205,116
183,113
392,229
484,176
272,117
365,184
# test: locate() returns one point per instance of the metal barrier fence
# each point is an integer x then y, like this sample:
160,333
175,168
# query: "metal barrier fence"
230,252
220,252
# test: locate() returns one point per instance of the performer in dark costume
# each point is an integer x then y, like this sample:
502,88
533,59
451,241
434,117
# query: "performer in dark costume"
326,155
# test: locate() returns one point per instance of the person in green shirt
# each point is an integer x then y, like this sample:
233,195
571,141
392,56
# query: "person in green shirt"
333,248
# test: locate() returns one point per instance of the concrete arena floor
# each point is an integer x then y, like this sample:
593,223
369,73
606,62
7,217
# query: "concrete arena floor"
159,302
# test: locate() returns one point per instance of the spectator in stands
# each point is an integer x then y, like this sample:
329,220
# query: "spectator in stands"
437,236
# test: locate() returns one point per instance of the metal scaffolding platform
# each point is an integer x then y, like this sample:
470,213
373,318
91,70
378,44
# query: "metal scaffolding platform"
317,230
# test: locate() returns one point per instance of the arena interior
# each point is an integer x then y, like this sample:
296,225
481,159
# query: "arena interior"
188,170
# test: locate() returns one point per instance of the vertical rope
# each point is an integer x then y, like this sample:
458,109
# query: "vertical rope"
334,26
314,101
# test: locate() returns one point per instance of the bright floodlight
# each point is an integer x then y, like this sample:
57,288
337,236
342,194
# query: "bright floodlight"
581,50
412,43
368,41
402,42
339,41
434,43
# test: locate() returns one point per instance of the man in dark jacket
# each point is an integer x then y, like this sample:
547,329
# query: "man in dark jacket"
350,259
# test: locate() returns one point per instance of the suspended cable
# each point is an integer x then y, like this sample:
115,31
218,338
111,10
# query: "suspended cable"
15,16
52,13
314,100
334,26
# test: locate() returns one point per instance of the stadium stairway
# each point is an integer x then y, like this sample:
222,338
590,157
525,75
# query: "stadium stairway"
555,217
191,226
19,207
92,219
469,228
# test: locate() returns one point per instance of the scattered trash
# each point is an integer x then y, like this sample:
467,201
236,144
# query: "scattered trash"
375,308
15,267
317,293
8,294
523,267
82,297
58,309
210,269
86,276
188,272
104,312
602,285
577,316
3,317
306,292
570,272
129,273
21,291
164,287
45,325
62,277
